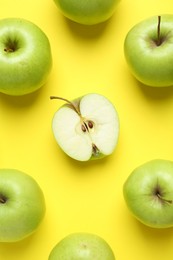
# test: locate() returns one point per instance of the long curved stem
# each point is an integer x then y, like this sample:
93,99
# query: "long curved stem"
69,102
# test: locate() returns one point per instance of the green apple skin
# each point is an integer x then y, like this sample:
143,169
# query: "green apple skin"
25,57
82,246
148,192
87,12
22,205
149,62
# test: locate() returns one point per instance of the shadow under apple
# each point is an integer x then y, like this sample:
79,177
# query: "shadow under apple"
17,248
158,236
83,167
20,101
156,93
155,237
91,32
86,31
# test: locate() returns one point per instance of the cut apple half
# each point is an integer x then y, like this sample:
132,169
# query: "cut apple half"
86,128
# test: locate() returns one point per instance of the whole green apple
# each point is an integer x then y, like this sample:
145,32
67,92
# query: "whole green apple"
22,205
87,12
25,57
86,128
148,192
148,49
82,246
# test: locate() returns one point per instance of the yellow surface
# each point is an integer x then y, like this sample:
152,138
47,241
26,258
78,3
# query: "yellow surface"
87,196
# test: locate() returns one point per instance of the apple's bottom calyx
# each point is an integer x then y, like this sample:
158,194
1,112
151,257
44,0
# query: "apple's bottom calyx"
86,128
95,150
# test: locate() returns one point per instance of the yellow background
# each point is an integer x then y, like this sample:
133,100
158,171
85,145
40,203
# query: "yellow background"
87,196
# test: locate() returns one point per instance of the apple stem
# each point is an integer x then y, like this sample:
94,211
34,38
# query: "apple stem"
165,200
159,40
69,102
2,199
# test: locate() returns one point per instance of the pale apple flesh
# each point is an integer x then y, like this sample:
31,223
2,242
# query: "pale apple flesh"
88,128
148,192
148,50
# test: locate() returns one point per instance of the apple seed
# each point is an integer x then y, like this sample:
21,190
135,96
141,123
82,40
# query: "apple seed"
83,127
90,124
86,126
